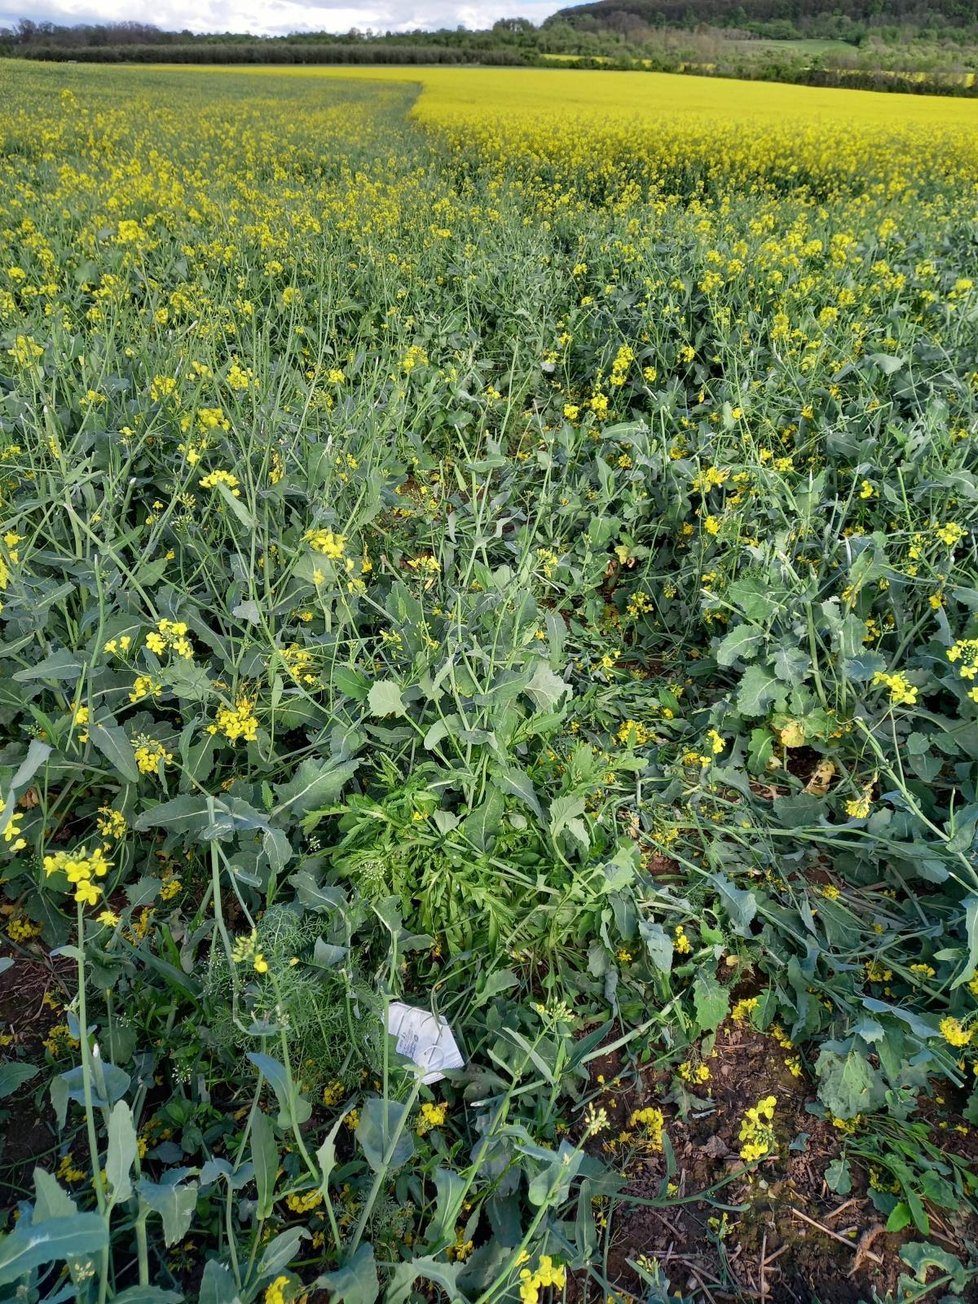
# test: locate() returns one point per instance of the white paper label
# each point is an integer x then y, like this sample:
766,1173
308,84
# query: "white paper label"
425,1039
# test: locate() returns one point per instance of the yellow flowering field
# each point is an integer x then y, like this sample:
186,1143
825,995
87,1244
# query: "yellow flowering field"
486,556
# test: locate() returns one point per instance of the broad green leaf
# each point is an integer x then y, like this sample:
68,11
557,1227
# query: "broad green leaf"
900,1217
110,1084
379,1120
355,1282
175,1203
404,1275
51,1201
350,682
482,825
740,643
848,1084
546,689
550,1186
326,1154
121,1151
740,905
13,1075
279,1253
759,689
113,742
217,1285
191,816
237,506
31,1245
838,1178
59,665
292,1106
450,1192
316,783
800,810
563,810
755,598
711,1001
921,1257
385,698
37,754
264,1156
518,783
658,943
888,363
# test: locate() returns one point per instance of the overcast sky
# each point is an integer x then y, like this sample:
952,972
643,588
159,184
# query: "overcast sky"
275,17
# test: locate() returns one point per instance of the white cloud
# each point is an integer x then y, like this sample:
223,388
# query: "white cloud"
277,17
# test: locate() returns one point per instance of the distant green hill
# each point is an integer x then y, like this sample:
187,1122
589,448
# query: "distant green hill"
625,16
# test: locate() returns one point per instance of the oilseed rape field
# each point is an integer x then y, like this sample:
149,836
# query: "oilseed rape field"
488,688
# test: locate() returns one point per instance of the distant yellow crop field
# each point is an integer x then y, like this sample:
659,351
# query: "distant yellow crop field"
592,133
513,92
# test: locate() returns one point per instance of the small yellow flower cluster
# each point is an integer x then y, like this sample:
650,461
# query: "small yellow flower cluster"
902,692
858,808
547,1274
214,478
848,1126
694,1073
59,1040
742,1010
80,719
633,734
954,1033
68,1170
275,1293
304,1203
162,387
652,1121
300,664
950,533
26,351
238,721
965,651
239,378
207,419
10,830
118,645
145,686
756,1131
111,823
326,542
245,950
21,929
150,754
415,357
333,1093
619,368
462,1248
426,564
431,1116
171,635
80,868
680,942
